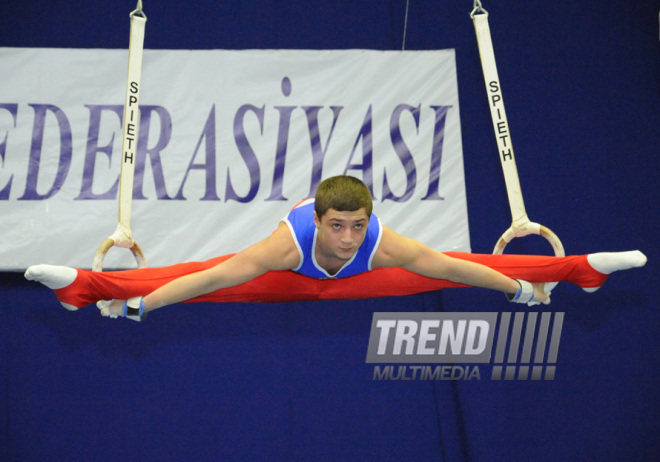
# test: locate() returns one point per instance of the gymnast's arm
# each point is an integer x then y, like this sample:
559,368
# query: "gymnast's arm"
277,252
397,250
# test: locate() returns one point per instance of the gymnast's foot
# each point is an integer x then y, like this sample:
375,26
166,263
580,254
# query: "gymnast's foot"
67,284
53,277
609,262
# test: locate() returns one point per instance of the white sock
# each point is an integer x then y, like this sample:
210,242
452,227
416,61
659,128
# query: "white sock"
53,277
609,262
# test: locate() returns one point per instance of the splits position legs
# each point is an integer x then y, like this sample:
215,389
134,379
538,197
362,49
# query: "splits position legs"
76,288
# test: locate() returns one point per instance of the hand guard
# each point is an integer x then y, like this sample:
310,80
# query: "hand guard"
134,309
525,293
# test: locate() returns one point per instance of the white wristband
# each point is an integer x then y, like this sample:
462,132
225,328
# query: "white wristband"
525,293
134,309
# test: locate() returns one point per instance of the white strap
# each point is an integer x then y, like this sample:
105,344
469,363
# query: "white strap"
138,10
131,119
122,237
520,223
498,115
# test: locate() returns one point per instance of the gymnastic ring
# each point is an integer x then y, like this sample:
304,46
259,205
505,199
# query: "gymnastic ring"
97,264
525,230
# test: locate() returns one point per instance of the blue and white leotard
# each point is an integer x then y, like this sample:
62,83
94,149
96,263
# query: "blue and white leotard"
301,223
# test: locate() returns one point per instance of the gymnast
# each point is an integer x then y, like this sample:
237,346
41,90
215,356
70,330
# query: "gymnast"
329,247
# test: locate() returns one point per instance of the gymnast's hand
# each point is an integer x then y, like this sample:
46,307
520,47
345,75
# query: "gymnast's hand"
540,296
111,308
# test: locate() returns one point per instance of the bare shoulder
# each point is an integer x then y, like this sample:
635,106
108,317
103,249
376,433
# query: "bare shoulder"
395,249
276,252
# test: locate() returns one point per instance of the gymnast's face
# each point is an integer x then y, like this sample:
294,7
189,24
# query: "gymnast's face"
340,234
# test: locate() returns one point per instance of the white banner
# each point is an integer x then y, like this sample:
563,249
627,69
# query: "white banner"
228,142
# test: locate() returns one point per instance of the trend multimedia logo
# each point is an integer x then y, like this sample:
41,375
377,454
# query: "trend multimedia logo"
453,346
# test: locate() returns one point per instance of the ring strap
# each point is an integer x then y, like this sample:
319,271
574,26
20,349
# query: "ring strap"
520,223
122,237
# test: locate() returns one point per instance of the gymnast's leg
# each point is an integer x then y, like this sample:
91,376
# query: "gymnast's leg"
76,288
587,271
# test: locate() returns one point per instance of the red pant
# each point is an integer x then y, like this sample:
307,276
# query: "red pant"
287,286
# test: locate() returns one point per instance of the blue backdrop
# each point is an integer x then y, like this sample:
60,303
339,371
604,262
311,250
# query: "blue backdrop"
581,82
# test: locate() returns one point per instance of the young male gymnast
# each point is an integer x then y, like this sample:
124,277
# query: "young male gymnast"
330,247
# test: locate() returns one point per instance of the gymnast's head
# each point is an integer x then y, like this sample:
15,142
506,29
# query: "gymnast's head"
342,193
